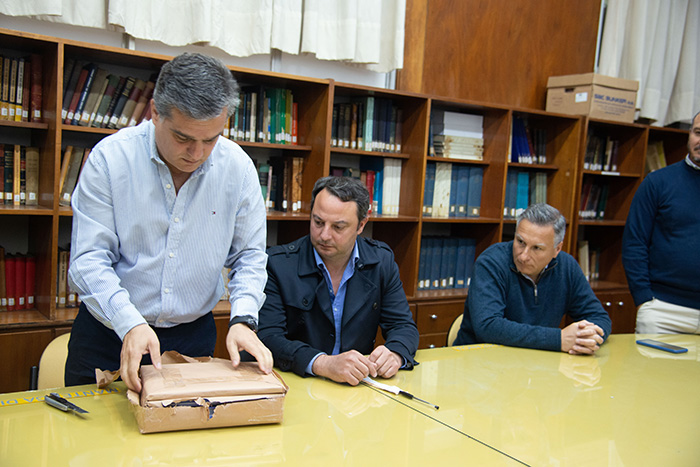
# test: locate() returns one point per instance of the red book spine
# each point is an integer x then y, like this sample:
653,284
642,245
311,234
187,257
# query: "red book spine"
10,282
370,187
20,282
30,282
37,90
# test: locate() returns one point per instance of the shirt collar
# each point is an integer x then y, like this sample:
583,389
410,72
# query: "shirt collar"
690,162
355,257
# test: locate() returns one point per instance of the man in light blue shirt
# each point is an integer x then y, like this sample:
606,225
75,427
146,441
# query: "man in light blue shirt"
158,211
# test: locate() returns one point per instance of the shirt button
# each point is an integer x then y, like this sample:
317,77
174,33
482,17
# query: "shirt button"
168,186
172,255
167,291
177,219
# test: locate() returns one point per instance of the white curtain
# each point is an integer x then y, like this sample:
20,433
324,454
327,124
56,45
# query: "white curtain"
655,42
367,32
361,31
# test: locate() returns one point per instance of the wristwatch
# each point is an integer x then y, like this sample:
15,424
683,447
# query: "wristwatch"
248,320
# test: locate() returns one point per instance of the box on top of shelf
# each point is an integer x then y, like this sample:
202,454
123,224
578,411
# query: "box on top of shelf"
591,94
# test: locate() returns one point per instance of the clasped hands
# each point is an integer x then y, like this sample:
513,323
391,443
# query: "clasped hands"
581,338
352,367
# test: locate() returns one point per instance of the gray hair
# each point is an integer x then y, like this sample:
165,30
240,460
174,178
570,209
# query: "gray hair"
197,85
542,214
345,189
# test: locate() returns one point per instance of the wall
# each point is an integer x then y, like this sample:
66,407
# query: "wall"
496,51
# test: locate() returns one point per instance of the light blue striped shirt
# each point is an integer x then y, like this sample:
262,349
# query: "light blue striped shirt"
141,252
337,300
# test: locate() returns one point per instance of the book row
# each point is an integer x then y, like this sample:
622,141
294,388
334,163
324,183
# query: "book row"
656,157
93,97
382,177
589,260
20,168
601,153
367,124
452,190
446,262
72,163
281,181
17,281
594,198
264,115
66,297
528,144
21,88
456,135
523,188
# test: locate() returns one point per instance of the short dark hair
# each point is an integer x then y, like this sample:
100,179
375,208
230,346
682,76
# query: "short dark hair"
197,85
543,215
345,189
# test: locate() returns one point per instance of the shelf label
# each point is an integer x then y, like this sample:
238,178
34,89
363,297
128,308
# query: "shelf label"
617,174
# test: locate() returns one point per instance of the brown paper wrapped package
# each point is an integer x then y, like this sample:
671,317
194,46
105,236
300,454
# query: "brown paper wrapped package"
206,393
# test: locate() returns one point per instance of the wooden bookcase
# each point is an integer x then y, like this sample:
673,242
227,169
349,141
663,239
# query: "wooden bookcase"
42,229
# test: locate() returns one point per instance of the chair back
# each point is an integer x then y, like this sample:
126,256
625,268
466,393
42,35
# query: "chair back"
52,364
454,329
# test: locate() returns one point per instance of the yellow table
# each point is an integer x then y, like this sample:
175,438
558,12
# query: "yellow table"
325,423
628,405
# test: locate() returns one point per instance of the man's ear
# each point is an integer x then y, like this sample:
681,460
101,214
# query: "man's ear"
362,224
557,248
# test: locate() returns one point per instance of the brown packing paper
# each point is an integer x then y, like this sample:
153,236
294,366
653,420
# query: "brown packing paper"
189,393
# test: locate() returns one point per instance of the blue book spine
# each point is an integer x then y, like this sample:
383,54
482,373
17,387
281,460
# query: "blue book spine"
422,266
435,260
523,187
460,267
429,189
451,247
462,189
454,183
476,176
470,257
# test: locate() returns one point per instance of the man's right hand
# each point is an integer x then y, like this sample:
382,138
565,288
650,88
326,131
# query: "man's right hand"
139,341
581,338
348,367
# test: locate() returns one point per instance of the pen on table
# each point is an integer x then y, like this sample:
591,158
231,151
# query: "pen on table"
396,390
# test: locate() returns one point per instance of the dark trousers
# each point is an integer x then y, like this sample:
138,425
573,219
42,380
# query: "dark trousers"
92,345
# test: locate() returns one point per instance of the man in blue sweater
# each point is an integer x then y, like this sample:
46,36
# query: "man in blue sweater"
658,247
520,290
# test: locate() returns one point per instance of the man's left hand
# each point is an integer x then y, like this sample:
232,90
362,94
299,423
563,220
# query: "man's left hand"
388,362
241,337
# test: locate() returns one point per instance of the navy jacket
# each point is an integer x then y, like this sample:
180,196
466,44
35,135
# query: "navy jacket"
505,307
296,321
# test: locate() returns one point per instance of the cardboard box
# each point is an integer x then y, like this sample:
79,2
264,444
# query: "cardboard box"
195,394
594,95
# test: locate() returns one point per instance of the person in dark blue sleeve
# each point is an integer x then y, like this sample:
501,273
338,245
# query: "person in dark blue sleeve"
329,292
521,289
660,260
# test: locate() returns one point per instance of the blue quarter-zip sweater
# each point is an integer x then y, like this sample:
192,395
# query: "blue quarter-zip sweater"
506,307
659,247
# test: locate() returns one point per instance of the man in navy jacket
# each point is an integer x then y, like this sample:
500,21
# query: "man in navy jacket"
520,290
329,292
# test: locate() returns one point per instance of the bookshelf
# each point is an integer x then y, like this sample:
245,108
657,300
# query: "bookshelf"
42,229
